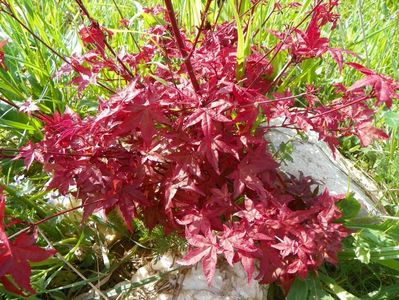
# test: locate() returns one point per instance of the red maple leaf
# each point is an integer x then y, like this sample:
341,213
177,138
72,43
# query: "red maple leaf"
2,44
368,133
94,34
206,249
235,243
208,115
179,180
210,148
85,78
287,246
142,116
30,153
384,87
337,55
246,175
16,255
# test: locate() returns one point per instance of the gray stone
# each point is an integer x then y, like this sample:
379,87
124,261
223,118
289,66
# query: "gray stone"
314,158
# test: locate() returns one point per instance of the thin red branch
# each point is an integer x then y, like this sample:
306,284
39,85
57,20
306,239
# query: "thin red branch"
35,114
60,213
180,43
364,98
131,34
9,102
278,46
217,16
65,60
12,15
276,80
263,23
201,27
96,24
278,99
241,15
108,155
340,107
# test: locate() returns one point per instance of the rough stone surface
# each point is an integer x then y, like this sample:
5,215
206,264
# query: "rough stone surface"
228,284
314,158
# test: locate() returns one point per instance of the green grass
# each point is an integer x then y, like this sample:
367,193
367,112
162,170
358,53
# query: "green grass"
369,265
376,42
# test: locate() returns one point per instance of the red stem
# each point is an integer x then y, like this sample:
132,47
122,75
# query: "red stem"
63,212
180,43
35,114
96,24
208,4
9,102
340,107
277,79
217,16
241,15
12,15
280,45
252,10
131,34
334,109
263,23
277,100
122,156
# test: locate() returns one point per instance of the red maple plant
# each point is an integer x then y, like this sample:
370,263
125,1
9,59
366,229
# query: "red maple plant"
15,256
180,145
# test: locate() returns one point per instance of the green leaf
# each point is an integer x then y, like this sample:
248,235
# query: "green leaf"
362,249
349,207
310,289
299,290
363,254
385,293
16,125
341,293
243,44
316,290
390,263
385,253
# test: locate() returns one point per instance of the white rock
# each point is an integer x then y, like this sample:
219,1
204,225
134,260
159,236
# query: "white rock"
163,263
194,280
164,297
228,283
142,273
314,158
244,289
198,295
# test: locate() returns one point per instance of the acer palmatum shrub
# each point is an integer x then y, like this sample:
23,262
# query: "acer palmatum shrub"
15,256
182,144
